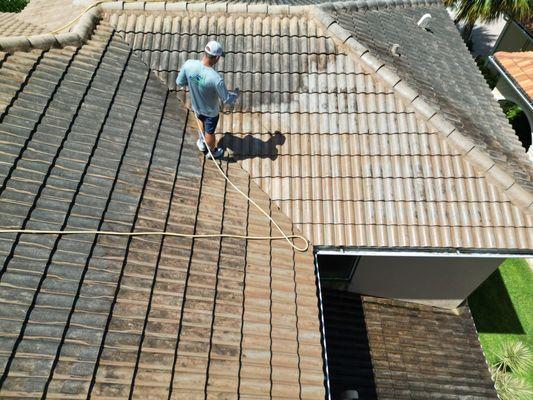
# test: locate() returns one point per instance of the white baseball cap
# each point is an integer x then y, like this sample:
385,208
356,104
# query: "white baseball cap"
213,48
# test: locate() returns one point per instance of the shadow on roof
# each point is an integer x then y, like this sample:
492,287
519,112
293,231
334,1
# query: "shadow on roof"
248,147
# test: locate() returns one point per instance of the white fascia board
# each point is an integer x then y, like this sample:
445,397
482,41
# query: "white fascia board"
418,253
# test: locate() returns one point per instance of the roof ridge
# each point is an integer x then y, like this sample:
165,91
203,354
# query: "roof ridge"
375,4
519,196
216,7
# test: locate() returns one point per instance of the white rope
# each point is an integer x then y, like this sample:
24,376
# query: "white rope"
288,238
284,235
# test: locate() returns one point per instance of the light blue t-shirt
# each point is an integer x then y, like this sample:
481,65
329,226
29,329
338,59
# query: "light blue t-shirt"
206,87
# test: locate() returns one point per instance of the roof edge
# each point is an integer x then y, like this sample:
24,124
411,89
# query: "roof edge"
519,196
79,34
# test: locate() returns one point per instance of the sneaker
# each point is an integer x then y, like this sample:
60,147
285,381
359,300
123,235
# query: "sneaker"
217,153
201,145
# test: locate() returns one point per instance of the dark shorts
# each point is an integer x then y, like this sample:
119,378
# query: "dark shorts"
210,123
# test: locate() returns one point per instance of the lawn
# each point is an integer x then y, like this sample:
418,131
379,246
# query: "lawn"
12,5
502,308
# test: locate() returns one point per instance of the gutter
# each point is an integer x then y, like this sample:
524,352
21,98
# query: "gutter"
414,252
511,82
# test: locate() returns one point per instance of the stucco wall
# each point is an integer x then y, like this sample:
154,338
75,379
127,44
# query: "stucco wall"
436,281
513,38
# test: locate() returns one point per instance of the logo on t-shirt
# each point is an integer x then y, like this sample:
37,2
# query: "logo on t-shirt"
197,79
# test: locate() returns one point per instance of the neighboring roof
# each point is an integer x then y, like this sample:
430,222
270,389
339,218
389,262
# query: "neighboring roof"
389,349
438,66
52,14
519,67
354,163
11,25
94,141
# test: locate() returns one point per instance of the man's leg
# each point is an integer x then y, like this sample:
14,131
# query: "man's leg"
200,142
210,140
210,125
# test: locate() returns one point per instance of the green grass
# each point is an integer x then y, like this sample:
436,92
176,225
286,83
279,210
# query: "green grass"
502,308
12,5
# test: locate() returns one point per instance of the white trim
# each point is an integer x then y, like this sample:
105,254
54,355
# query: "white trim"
408,253
320,304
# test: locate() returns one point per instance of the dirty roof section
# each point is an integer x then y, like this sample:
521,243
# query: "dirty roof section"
12,25
342,155
94,141
437,64
519,67
390,349
15,69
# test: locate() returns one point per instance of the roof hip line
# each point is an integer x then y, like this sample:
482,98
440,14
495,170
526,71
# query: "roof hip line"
477,156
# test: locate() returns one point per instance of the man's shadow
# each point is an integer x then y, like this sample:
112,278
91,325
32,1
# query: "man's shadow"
248,147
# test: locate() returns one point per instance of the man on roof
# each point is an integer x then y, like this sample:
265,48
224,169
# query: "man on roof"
206,88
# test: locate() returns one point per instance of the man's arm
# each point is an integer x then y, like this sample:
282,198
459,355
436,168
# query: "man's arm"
181,80
224,94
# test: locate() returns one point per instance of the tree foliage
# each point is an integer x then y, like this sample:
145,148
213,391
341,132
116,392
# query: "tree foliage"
469,11
512,358
12,5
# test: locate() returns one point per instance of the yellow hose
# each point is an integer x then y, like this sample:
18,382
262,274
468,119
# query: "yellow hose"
283,236
76,19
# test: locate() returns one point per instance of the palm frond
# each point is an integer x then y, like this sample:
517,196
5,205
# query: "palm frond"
510,387
514,356
489,10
